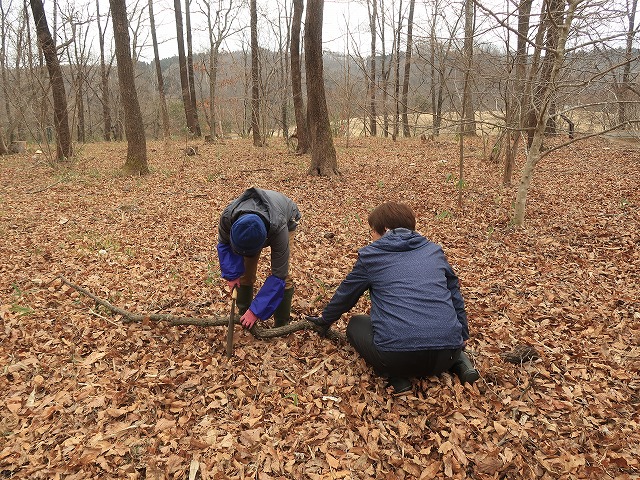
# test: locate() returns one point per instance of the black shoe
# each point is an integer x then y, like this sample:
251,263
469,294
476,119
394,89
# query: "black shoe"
464,369
400,385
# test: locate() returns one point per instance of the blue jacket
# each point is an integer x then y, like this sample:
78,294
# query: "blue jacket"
280,215
415,295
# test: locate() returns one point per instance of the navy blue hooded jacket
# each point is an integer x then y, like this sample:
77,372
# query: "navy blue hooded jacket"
415,295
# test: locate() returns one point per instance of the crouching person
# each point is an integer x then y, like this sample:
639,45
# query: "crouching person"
418,324
257,219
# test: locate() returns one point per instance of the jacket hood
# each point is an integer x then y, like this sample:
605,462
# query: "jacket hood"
400,240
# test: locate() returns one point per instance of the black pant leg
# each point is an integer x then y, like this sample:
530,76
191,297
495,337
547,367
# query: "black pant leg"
360,336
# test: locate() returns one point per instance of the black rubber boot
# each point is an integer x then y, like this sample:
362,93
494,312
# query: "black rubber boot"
464,369
282,315
400,385
245,297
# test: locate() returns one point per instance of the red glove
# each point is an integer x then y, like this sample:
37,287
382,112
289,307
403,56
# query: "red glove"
233,283
248,319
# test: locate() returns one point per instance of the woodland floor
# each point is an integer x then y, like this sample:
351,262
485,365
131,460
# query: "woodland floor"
84,395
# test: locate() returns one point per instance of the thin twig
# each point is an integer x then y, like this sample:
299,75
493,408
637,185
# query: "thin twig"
44,188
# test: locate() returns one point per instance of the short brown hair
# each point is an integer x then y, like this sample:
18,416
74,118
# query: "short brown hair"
392,215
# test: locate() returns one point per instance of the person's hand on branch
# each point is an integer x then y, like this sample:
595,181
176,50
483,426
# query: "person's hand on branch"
321,323
248,319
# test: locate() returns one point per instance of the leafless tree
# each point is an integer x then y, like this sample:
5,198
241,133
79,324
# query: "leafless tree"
104,75
296,80
136,162
323,153
64,149
626,87
166,127
514,104
192,82
372,7
396,82
219,26
189,111
468,123
407,71
255,77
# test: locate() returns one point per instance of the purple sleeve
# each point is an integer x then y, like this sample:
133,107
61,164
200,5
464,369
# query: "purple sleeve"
268,298
231,265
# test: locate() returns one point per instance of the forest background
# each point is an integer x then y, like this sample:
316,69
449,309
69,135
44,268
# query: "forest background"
369,49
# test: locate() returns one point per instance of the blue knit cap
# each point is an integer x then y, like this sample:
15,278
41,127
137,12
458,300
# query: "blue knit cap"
248,235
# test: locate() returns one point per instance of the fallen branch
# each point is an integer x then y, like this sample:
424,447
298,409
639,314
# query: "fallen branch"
40,190
217,321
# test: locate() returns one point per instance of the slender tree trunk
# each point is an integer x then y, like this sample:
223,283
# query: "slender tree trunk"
468,111
516,103
561,24
626,72
372,5
432,60
166,127
192,82
396,121
296,80
4,27
184,75
136,163
284,75
104,76
213,79
384,73
255,78
323,152
61,117
80,83
407,71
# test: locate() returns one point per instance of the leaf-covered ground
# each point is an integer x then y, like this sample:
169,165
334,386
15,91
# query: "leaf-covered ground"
84,395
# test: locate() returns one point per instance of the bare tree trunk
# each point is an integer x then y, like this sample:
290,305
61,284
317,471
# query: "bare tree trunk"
396,122
468,113
407,71
372,6
539,69
81,79
192,82
296,80
136,163
385,71
255,78
184,76
283,56
516,103
437,76
218,29
61,117
626,72
166,127
323,152
560,25
104,75
4,27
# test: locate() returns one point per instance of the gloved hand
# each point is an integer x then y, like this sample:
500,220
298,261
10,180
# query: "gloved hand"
320,322
248,319
233,284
